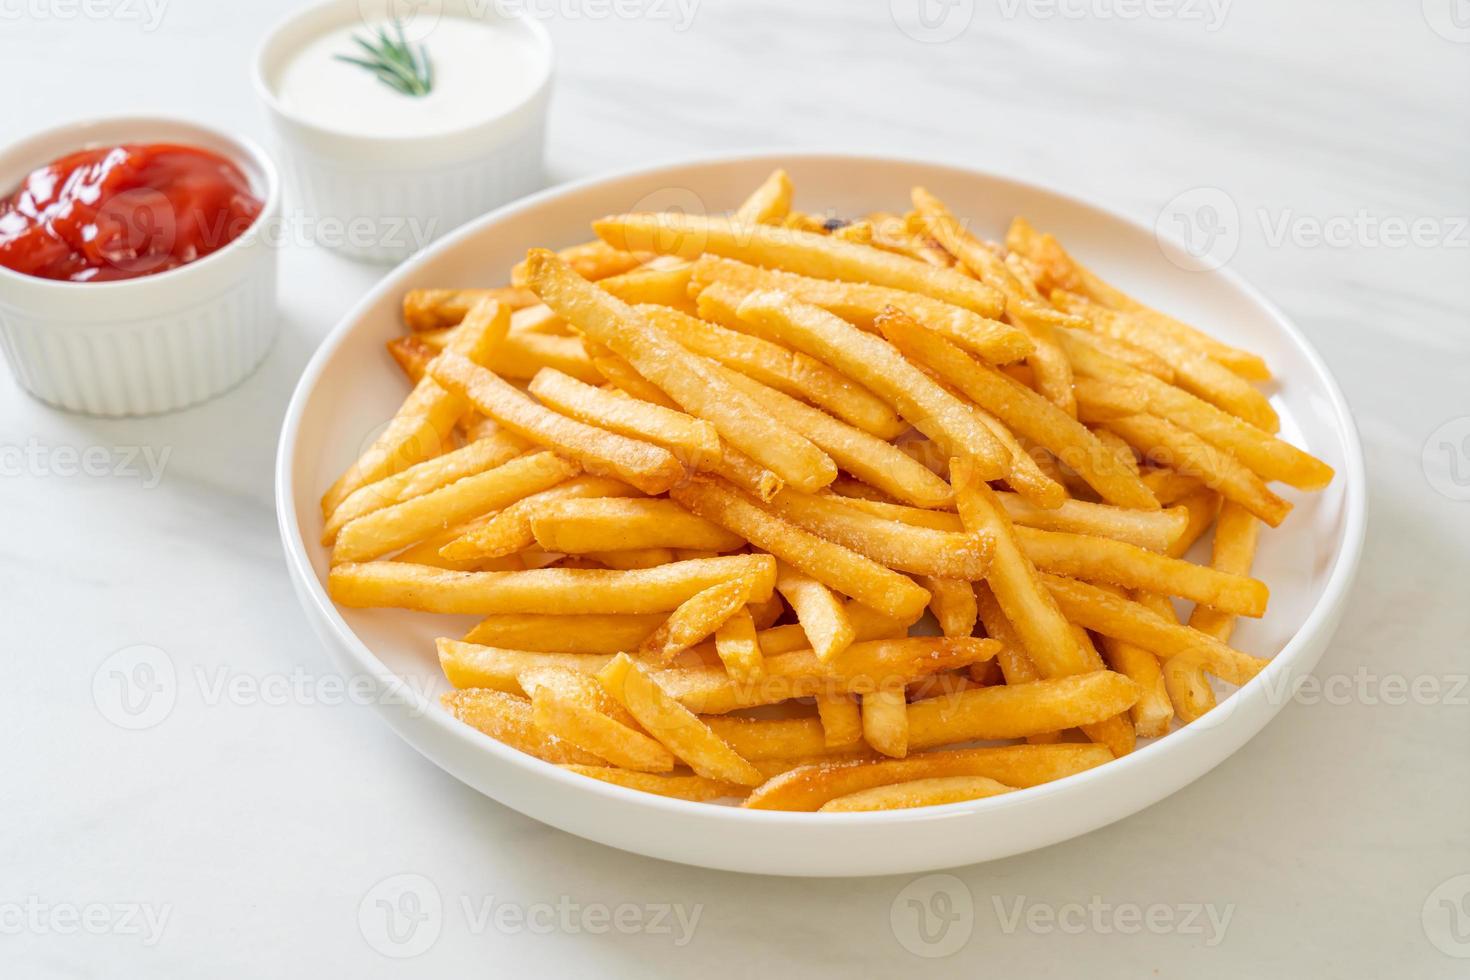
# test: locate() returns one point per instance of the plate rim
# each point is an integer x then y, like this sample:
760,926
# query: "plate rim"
1322,614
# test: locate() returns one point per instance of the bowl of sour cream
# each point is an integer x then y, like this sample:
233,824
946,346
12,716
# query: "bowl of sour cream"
397,122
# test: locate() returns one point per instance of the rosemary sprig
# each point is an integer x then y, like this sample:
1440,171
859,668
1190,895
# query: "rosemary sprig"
394,61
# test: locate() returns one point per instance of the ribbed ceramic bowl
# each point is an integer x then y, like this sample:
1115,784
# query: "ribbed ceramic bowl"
350,388
159,342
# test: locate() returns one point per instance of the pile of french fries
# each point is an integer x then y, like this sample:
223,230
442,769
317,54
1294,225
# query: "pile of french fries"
702,477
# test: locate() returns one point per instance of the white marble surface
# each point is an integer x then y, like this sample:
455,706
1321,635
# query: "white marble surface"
257,824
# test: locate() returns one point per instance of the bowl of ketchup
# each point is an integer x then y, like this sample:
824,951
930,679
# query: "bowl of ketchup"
137,267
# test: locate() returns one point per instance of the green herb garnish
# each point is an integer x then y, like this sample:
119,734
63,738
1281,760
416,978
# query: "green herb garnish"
395,62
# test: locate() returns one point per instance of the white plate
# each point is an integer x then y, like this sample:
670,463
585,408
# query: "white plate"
350,388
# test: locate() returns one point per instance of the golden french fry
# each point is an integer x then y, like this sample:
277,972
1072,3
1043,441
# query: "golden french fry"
683,376
769,203
650,468
805,253
953,603
577,525
698,617
919,792
565,633
1187,686
663,285
697,789
681,732
788,371
694,441
594,261
507,718
628,558
425,477
809,787
860,304
386,583
390,528
1236,532
420,429
1026,477
509,531
412,355
819,613
881,368
1019,710
865,456
1024,411
739,649
576,709
842,723
433,309
831,564
763,739
886,722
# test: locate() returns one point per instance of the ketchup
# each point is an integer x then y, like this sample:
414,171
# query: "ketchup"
121,212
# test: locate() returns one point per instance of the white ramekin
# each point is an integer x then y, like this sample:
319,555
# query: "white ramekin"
380,199
156,343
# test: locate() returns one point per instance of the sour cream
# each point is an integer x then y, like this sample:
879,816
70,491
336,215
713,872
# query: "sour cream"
480,70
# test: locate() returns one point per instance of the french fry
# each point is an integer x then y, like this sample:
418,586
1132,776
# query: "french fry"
594,261
1104,560
805,253
681,732
386,583
1160,440
829,563
412,355
919,792
953,603
739,649
1185,681
682,375
628,558
577,525
819,613
1014,663
390,528
565,633
769,203
510,531
697,789
886,722
698,617
572,707
1026,477
1236,533
882,369
865,456
860,304
621,375
1270,457
842,723
807,788
694,441
1024,411
508,719
421,427
666,285
421,478
903,547
433,309
763,739
788,371
1019,710
650,468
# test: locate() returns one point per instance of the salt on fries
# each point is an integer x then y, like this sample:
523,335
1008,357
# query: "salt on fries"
699,477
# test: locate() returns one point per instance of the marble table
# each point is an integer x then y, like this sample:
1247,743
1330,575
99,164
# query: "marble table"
248,830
